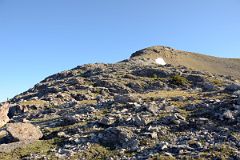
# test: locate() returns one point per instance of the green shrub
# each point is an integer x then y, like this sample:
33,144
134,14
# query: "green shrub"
178,80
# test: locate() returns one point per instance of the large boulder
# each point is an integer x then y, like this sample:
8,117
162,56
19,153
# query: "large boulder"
24,132
4,119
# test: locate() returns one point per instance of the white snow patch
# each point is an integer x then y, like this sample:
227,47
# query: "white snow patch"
160,61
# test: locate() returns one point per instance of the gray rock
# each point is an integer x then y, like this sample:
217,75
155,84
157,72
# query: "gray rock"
173,119
191,107
168,108
163,146
208,87
202,121
125,98
195,78
140,121
151,72
4,119
178,98
107,121
154,135
152,108
75,81
233,87
24,131
62,135
69,120
238,101
119,137
194,144
237,93
17,110
180,117
228,115
9,148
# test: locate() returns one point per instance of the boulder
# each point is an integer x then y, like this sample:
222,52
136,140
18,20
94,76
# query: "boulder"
4,119
119,137
24,132
69,120
107,121
195,78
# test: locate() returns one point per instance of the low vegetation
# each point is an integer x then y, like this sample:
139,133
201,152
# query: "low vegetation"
178,80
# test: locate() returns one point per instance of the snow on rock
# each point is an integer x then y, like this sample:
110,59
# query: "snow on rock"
160,61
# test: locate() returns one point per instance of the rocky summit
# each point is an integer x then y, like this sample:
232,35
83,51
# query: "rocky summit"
160,103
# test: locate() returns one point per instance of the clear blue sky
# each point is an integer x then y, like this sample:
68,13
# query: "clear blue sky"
42,37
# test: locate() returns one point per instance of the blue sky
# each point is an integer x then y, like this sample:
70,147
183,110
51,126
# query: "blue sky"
41,37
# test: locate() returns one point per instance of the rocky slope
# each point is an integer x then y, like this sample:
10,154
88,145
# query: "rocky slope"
134,109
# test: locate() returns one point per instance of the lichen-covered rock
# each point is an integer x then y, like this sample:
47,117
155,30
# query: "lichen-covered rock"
24,131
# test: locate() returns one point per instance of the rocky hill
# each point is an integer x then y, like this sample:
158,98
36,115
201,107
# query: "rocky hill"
195,61
135,109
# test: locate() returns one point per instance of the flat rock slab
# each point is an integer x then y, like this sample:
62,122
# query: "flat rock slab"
24,131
